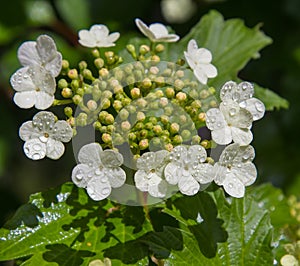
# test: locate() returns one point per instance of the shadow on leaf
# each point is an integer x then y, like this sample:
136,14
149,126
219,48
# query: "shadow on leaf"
64,255
27,214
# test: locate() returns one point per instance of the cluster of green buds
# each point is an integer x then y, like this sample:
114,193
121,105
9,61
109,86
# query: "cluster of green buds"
148,103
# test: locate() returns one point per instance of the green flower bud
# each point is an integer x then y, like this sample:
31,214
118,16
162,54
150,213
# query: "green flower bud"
135,93
102,116
179,73
104,73
131,49
71,121
119,74
125,126
73,74
123,114
118,139
210,160
87,74
170,92
156,142
144,144
180,62
65,64
169,147
154,105
79,91
99,63
68,111
182,119
138,74
205,144
211,90
82,65
164,119
144,49
111,128
155,58
109,119
97,125
131,109
203,94
181,96
163,102
75,85
196,104
81,119
168,110
154,70
110,57
67,93
77,99
201,117
159,48
143,133
132,136
62,83
91,105
153,120
105,103
160,81
177,139
149,126
213,104
130,79
118,89
140,116
117,105
196,140
174,128
128,69
103,129
178,84
126,101
96,93
95,53
139,126
106,138
167,72
141,103
157,129
146,83
186,134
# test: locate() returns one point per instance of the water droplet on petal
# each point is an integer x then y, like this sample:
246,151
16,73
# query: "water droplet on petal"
105,191
243,104
104,179
232,112
36,156
259,107
98,172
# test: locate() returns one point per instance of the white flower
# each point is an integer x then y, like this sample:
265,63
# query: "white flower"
200,61
156,32
289,260
235,169
243,94
35,87
97,36
43,136
42,53
98,171
230,122
148,177
187,169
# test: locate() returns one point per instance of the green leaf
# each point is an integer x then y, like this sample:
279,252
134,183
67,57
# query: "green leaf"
249,235
270,99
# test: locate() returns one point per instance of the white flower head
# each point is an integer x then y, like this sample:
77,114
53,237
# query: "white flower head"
199,60
235,169
98,171
97,36
230,123
242,93
44,135
148,177
34,86
156,32
188,168
42,53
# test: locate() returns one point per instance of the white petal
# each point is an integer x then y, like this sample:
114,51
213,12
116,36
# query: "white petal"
245,90
62,131
219,172
197,155
44,121
235,154
34,149
145,30
200,74
159,30
54,66
28,55
99,31
141,180
204,173
157,187
21,80
113,37
210,70
46,48
98,189
147,161
42,80
190,60
90,154
43,100
86,39
27,131
192,47
241,136
171,173
234,187
188,185
203,56
25,99
255,107
116,176
245,172
227,90
55,149
111,158
222,136
82,174
215,119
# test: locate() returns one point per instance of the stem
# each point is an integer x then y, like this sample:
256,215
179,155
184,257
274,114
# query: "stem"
62,102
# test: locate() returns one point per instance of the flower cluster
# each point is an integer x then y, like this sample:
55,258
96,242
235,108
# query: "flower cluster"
152,109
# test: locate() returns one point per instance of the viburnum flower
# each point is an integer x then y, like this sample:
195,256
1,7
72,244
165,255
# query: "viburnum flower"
156,32
44,135
148,177
243,94
199,60
230,123
235,169
42,53
98,171
34,86
187,169
97,36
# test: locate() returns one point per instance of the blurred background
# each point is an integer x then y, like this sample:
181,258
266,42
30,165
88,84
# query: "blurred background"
276,136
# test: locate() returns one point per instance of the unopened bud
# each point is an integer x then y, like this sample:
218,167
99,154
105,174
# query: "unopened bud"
68,111
87,74
177,139
132,136
170,92
95,53
102,116
91,105
186,134
109,119
169,147
180,73
154,70
203,94
77,99
135,93
178,84
99,62
164,119
155,58
131,49
144,144
106,138
81,119
105,103
159,48
65,64
97,125
82,65
181,96
146,83
73,74
205,144
144,49
196,140
125,126
123,114
201,117
118,89
67,93
140,116
174,128
117,105
62,83
103,73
